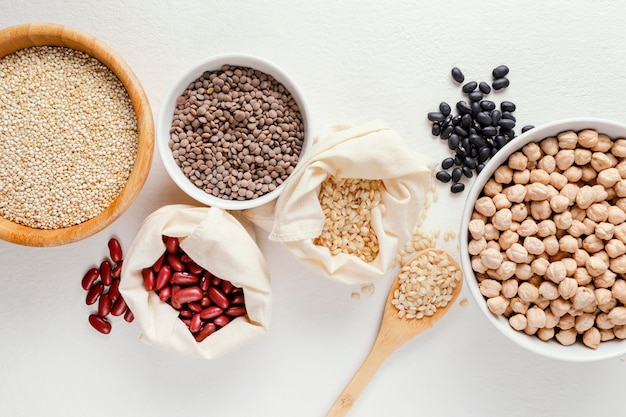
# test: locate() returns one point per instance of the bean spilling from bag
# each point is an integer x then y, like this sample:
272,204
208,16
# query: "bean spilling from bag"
102,286
477,131
205,302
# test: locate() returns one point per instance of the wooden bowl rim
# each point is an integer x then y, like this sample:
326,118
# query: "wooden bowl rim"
27,35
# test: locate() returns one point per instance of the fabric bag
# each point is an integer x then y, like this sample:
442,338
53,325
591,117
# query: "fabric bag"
216,241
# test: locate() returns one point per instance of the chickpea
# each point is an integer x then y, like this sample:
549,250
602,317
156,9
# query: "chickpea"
476,246
618,315
618,290
545,333
570,266
551,319
477,265
548,290
492,187
490,288
589,174
519,306
539,266
509,288
584,322
585,197
592,244
564,159
528,292
536,317
491,258
608,177
606,335
597,212
604,145
560,307
566,337
540,210
621,167
517,253
596,266
503,174
523,272
618,264
485,206
539,176
619,148
588,138
556,272
584,298
493,245
563,221
582,276
581,256
605,231
620,188
515,193
547,163
491,233
603,322
592,338
476,228
508,238
567,288
601,161
566,322
530,331
518,161
568,244
533,245
590,226
582,156
549,146
527,228
546,228
532,151
519,212
518,322
521,177
603,296
573,174
551,245
552,192
502,219
559,203
576,229
570,191
620,332
620,232
497,305
506,270
558,180
567,139
536,191
616,215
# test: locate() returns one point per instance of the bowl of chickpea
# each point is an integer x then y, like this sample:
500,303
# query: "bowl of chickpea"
543,240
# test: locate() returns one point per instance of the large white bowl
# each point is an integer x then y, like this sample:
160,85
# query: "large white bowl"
550,349
166,113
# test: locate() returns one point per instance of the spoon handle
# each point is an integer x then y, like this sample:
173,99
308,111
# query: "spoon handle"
377,355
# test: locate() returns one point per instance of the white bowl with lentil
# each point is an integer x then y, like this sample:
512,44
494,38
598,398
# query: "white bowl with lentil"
76,135
543,240
231,130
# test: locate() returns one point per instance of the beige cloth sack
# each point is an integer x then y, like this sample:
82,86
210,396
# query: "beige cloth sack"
217,241
369,151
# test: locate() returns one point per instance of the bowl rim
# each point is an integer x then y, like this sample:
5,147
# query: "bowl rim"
164,121
551,349
26,35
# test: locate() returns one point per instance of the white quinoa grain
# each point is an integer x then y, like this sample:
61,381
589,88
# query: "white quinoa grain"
68,137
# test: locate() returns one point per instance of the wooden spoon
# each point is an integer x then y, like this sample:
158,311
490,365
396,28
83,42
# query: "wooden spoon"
393,333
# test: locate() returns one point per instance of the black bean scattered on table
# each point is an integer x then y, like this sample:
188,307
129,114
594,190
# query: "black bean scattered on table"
478,130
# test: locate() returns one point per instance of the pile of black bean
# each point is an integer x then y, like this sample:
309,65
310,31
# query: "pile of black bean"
477,130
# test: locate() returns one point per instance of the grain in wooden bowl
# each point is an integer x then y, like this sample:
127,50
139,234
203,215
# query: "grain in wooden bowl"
76,135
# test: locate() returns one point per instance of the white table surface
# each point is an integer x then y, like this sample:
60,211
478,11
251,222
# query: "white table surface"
355,61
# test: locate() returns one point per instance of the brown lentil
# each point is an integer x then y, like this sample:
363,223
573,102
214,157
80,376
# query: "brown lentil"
68,137
347,204
236,133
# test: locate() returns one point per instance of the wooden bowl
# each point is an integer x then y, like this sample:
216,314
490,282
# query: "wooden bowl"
24,36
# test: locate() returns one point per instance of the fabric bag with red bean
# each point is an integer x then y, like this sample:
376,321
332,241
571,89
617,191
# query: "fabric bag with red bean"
196,281
351,202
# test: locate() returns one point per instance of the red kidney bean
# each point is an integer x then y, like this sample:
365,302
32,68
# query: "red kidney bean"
129,316
216,281
175,263
163,277
184,278
114,290
206,331
211,312
237,290
173,301
158,264
194,268
205,282
94,293
206,301
187,321
171,245
119,307
90,277
117,270
196,307
222,320
148,278
188,295
235,311
226,286
218,297
186,313
196,323
104,305
100,324
237,299
105,273
165,293
115,250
